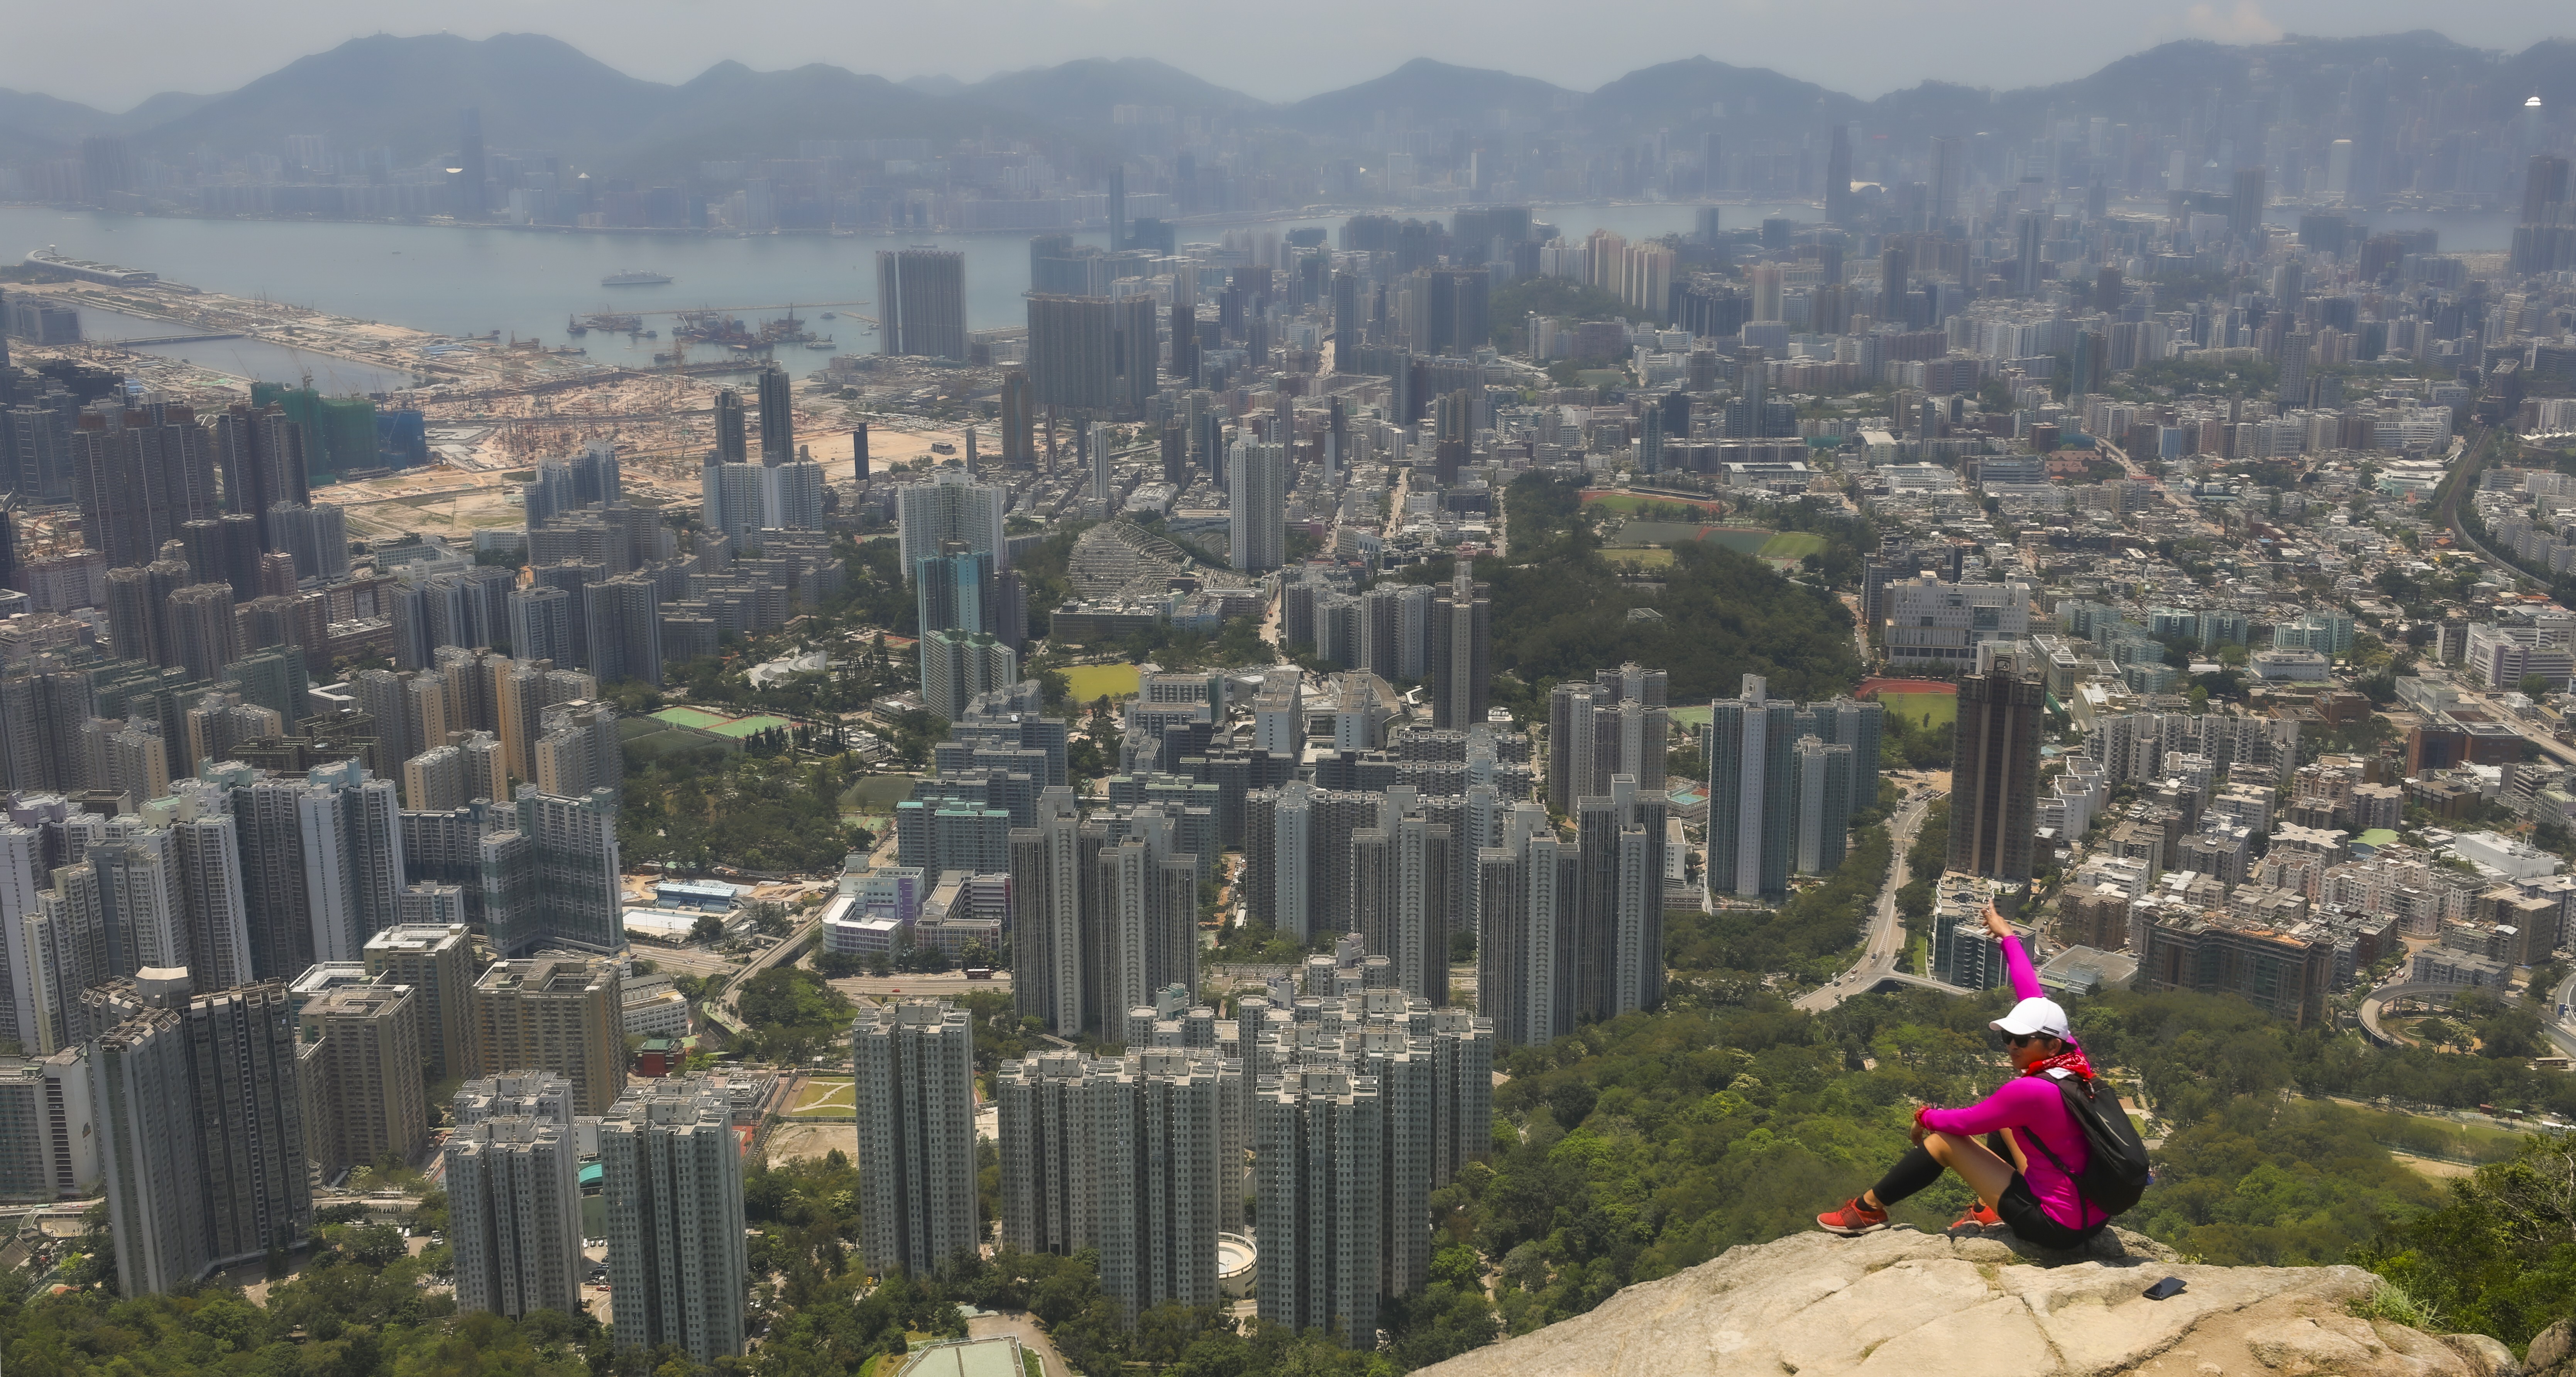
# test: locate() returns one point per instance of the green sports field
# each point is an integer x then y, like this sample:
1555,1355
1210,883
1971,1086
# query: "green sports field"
1941,708
1088,682
1792,545
742,727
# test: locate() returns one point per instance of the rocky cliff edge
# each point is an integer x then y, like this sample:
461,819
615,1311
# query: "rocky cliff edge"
1900,1303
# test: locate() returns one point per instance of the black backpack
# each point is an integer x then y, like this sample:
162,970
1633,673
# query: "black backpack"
2115,1170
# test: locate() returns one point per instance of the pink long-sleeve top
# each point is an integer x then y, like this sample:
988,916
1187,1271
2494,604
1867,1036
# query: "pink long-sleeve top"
2032,1107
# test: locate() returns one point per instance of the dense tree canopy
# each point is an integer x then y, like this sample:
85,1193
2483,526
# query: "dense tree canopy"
772,814
1560,611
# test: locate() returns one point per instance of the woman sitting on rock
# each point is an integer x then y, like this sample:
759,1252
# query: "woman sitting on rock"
2032,1192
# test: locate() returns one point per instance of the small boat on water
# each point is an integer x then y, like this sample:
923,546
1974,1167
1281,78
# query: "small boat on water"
635,277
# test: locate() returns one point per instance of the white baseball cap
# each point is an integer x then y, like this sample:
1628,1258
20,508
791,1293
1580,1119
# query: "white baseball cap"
2035,1016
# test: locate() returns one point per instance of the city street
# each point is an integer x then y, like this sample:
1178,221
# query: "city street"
1886,934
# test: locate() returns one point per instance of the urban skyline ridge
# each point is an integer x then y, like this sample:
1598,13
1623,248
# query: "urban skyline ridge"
592,105
668,41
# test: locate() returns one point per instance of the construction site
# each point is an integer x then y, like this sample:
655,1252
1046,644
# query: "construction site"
491,408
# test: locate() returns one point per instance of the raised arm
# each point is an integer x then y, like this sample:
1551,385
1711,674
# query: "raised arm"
2025,979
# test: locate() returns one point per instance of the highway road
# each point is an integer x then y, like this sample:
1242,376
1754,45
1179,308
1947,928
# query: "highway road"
2561,1031
2551,1026
1886,934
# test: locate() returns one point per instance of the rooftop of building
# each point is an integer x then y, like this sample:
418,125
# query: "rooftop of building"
549,973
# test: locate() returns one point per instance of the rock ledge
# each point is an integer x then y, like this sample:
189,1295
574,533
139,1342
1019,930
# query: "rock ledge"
1901,1303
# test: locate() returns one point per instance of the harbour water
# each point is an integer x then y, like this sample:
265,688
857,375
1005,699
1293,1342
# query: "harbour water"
471,281
244,358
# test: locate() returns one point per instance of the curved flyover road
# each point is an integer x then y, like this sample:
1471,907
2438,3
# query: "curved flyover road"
1886,940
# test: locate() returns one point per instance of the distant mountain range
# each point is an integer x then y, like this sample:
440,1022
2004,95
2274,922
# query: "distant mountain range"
540,93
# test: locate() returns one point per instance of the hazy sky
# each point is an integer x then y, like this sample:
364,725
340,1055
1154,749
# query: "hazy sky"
112,53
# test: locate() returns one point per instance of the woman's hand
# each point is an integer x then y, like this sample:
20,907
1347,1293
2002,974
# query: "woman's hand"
1996,927
1920,1133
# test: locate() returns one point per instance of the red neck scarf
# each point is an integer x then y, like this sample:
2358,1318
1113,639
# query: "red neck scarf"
2071,1059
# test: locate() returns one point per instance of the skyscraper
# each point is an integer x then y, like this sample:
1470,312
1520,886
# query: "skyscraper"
1185,338
472,201
1459,660
957,666
1117,1156
141,475
1148,924
1319,1141
1104,484
1749,745
2030,233
572,878
1401,874
1619,848
2545,190
2245,209
260,453
1838,177
541,624
921,301
42,707
777,418
1050,877
372,1100
1995,768
951,506
624,621
734,499
1949,174
733,442
1822,793
201,1130
1528,891
1257,510
1616,725
676,1257
1019,421
1093,356
322,864
2292,390
437,962
1460,323
559,1013
514,1213
915,1066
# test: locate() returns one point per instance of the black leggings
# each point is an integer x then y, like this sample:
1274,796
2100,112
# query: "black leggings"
2018,1208
1917,1169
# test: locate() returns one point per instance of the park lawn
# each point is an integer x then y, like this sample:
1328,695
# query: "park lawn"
1793,545
882,791
825,1098
1929,709
1648,557
1084,683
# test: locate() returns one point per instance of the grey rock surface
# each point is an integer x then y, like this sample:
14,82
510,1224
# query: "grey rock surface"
1908,1304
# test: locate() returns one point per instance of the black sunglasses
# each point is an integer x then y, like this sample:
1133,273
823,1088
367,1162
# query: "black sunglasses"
2022,1039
